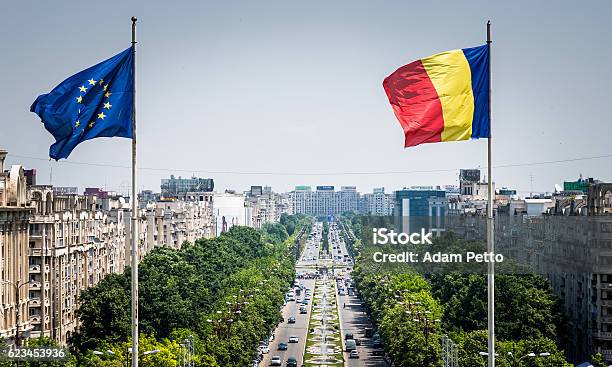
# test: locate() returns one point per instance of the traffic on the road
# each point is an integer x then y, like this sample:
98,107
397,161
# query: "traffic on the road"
361,346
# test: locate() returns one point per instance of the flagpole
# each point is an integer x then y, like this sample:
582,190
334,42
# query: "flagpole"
134,239
490,227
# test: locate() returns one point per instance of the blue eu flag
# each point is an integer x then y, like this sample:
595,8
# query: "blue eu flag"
97,102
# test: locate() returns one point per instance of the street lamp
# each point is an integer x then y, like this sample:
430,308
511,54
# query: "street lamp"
514,362
148,352
99,353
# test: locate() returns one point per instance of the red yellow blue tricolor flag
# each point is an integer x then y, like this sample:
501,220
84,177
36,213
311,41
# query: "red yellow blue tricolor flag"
444,97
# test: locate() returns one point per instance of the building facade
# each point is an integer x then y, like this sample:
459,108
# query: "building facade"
377,203
416,209
325,200
14,222
173,186
55,243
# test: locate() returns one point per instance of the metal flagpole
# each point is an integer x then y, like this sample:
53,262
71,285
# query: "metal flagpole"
490,232
135,252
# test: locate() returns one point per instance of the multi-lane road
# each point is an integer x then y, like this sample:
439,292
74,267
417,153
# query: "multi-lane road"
353,319
306,264
351,316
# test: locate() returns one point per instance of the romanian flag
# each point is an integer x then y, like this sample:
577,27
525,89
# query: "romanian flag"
444,97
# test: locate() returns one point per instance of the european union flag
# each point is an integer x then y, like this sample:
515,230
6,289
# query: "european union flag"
97,102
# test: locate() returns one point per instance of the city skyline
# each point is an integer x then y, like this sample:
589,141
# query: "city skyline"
304,106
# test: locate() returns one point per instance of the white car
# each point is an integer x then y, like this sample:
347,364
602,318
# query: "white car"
275,361
293,339
264,349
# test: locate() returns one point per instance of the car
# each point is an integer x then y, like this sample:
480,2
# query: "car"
348,336
354,354
349,345
264,349
291,362
303,310
282,346
305,302
275,361
291,320
293,339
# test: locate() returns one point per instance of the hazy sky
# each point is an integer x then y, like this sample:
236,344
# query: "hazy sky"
296,87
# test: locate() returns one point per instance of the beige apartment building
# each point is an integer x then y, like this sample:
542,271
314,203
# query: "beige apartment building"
14,220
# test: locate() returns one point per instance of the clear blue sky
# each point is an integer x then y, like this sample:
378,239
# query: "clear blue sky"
278,86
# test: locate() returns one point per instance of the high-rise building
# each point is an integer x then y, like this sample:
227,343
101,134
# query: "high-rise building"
377,203
325,200
174,187
416,209
468,177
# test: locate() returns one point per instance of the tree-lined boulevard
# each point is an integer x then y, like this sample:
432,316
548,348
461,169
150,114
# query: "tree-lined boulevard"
244,299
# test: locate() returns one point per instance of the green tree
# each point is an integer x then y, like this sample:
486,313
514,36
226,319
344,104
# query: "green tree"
104,313
525,305
276,232
224,291
597,360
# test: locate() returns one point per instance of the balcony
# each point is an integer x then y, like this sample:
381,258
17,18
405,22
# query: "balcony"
35,252
35,285
35,302
34,268
35,319
602,335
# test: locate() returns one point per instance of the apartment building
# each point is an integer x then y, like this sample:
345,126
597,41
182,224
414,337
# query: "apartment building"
72,246
266,206
325,200
55,243
566,237
14,221
377,203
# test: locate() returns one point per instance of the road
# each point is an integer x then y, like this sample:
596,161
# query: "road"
352,319
306,263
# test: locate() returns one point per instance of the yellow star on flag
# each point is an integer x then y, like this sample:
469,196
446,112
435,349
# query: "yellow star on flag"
91,124
79,99
105,87
107,94
77,123
92,82
101,115
107,105
101,81
83,89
